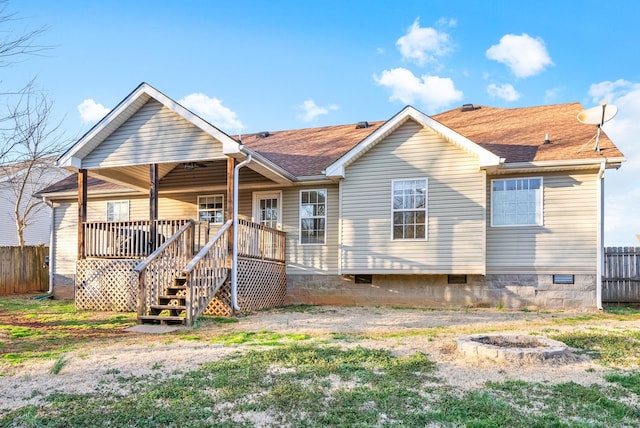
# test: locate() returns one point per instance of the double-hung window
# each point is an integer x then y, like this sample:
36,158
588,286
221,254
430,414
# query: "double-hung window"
118,211
211,208
313,216
409,202
516,202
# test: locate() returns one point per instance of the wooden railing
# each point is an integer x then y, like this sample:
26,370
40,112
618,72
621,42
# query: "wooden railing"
158,270
132,239
260,242
206,273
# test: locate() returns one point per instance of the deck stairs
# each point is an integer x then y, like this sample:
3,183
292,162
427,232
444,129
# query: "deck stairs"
171,307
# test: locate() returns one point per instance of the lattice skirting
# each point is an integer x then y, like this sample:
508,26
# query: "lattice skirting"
261,285
111,285
106,284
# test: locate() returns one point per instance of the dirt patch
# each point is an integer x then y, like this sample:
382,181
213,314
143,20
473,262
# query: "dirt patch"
111,354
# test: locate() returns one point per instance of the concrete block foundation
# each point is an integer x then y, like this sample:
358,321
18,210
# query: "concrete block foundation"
530,291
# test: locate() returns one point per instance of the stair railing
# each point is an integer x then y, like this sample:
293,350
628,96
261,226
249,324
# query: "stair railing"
158,270
206,273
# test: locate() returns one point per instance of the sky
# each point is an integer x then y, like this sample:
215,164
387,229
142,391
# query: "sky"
253,66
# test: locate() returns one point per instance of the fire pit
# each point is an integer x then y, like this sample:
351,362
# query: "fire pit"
510,347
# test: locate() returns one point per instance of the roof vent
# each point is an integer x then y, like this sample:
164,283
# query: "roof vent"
361,125
264,134
469,107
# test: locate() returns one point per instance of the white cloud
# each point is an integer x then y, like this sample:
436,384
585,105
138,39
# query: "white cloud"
310,110
524,55
433,92
212,110
552,95
91,111
622,191
447,22
423,44
507,92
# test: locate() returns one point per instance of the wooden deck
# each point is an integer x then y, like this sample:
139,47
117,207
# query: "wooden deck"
181,275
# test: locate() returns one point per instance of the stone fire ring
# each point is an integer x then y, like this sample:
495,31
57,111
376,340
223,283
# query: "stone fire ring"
510,347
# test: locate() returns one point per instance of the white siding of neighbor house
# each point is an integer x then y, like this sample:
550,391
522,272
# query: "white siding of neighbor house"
310,259
567,240
154,134
456,207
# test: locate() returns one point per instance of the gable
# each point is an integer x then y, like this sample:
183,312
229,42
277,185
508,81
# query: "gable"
154,134
486,159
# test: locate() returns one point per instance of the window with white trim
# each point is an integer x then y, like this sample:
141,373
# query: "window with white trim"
211,208
409,206
118,211
313,216
516,202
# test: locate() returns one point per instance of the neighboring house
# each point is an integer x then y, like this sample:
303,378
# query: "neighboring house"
471,207
38,231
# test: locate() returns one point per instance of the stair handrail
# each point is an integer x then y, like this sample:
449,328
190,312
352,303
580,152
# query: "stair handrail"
145,295
206,273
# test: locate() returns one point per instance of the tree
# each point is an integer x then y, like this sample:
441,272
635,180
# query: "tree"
35,144
15,47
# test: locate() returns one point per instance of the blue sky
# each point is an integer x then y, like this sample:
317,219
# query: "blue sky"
250,66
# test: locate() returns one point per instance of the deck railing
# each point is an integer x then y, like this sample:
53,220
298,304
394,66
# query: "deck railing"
260,242
206,273
133,239
162,266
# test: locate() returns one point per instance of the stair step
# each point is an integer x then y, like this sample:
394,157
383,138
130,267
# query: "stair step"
169,307
175,289
166,300
161,319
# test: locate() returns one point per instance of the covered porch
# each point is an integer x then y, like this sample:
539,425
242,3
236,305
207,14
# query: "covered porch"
190,251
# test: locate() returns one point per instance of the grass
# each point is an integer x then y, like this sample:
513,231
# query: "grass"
275,378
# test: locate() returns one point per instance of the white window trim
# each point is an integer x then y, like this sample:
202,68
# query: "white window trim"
261,195
426,210
326,205
541,202
120,201
208,196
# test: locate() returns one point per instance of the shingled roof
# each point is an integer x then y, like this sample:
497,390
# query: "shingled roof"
515,134
518,134
307,152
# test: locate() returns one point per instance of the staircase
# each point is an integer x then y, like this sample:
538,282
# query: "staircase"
170,308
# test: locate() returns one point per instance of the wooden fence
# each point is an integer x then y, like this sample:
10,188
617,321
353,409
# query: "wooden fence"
23,270
621,279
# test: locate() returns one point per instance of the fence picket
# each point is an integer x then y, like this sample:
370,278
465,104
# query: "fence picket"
621,276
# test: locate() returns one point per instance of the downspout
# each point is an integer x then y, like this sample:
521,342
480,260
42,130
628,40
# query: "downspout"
234,259
51,245
600,233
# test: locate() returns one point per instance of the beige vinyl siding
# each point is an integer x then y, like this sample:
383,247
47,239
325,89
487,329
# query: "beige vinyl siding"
567,240
456,199
310,259
154,134
65,243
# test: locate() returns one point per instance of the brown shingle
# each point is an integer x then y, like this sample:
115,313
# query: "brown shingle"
307,152
518,134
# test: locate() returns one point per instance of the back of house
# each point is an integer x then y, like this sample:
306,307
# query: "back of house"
476,206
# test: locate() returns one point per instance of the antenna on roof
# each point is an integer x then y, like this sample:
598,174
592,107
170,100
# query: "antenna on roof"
598,115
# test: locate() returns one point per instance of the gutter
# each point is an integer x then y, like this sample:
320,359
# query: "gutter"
600,235
234,260
51,245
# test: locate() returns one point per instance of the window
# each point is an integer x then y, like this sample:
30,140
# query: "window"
118,211
516,202
409,201
313,216
211,208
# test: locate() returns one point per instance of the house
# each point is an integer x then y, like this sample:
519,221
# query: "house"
21,180
476,206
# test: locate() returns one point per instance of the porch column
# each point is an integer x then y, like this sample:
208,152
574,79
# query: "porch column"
82,210
228,212
153,205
